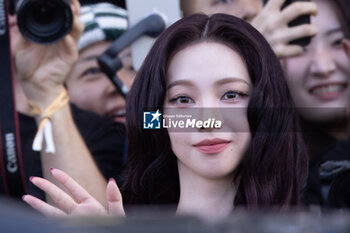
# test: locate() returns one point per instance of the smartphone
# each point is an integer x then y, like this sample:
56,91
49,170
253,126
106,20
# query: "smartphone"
304,19
139,9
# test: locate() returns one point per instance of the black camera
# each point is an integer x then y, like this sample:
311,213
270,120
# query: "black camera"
43,21
335,183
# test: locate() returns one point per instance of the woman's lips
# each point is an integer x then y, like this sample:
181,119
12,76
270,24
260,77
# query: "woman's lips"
329,91
212,146
117,115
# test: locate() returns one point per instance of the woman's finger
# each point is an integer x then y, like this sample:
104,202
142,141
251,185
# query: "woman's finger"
284,51
68,51
75,5
78,26
42,206
274,4
77,192
114,199
62,199
297,9
285,35
77,29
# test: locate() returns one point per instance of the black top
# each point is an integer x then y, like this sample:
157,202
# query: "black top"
104,138
329,176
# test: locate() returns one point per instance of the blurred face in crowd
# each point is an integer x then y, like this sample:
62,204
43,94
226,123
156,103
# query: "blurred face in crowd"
90,89
197,79
244,9
320,78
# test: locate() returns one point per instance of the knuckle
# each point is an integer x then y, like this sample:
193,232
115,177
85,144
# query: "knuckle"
307,30
269,28
299,7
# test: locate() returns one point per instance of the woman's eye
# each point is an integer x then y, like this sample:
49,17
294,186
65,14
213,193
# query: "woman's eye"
92,71
221,2
232,96
337,43
181,100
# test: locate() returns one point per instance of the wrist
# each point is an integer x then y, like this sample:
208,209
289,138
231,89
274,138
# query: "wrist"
43,97
44,118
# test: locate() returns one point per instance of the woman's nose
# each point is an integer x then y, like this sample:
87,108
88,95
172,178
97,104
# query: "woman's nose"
209,111
323,64
109,88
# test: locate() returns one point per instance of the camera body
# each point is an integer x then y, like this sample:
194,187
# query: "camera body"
43,21
304,19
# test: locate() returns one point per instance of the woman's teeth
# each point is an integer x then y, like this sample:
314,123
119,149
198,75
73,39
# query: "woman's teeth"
327,89
120,113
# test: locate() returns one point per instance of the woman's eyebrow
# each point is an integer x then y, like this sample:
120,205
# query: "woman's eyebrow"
334,30
180,82
231,80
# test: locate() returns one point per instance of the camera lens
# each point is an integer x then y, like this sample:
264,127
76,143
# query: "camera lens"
44,21
43,14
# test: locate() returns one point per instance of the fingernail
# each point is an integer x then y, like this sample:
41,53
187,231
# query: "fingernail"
51,169
31,178
23,197
112,180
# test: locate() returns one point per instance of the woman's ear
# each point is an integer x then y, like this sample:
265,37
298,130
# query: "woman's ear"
346,46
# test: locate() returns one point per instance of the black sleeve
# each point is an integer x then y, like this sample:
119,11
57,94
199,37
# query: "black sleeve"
31,159
339,151
105,140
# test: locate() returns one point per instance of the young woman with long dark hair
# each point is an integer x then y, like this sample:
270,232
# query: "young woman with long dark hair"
319,81
204,62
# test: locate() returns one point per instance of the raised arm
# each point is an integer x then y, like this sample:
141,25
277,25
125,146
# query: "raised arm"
41,71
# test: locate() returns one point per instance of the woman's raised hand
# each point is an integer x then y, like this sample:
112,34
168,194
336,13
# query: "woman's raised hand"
273,24
78,201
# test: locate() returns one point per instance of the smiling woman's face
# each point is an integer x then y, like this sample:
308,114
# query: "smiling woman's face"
320,78
208,75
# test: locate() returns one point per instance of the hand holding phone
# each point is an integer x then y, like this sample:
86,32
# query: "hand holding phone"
304,19
286,25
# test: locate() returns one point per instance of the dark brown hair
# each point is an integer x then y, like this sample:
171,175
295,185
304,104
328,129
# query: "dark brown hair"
274,168
344,8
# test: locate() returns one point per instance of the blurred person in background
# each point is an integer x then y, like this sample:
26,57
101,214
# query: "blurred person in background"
319,81
318,75
88,87
269,19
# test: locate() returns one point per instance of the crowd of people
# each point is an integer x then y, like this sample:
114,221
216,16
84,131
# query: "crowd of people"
292,145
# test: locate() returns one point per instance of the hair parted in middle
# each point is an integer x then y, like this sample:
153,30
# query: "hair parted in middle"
274,168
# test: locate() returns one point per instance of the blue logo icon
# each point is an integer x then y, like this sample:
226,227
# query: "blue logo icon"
151,120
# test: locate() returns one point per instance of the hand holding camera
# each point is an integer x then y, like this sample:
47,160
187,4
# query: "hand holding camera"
42,69
43,21
274,22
